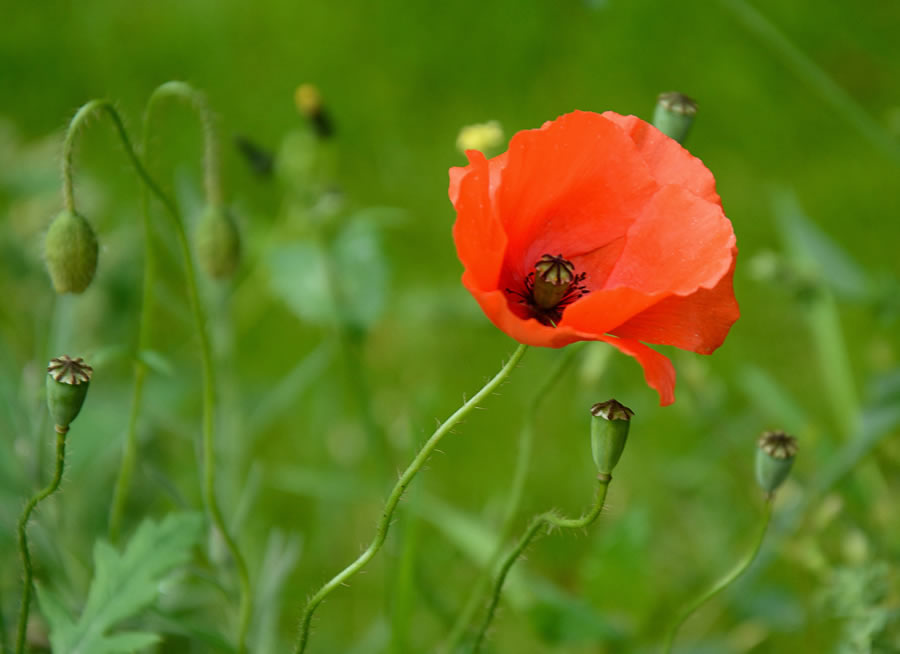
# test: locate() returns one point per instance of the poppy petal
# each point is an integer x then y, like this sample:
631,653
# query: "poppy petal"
659,373
570,187
479,236
698,322
669,162
680,243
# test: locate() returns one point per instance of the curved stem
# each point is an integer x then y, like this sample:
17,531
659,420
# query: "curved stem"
23,536
517,487
197,101
548,520
406,478
724,582
184,91
96,106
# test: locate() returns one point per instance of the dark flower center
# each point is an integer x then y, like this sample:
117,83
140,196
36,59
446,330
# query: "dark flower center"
550,289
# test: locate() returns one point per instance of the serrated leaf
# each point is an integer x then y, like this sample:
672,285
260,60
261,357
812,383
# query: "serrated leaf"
123,585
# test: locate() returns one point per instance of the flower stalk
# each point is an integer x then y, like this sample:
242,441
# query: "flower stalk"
514,500
547,522
390,506
723,583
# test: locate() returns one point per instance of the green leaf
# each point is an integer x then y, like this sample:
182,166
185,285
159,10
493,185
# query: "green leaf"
124,585
307,277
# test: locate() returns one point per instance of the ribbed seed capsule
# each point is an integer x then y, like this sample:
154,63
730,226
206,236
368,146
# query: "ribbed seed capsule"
609,433
774,459
70,250
67,385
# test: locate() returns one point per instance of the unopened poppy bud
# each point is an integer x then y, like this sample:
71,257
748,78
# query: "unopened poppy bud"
483,137
218,242
309,103
609,432
70,250
774,459
67,385
674,115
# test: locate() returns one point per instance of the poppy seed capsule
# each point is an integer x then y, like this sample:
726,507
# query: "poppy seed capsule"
67,385
218,243
774,459
609,433
674,115
70,250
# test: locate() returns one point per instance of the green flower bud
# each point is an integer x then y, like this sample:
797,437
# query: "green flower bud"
218,243
70,251
774,459
609,432
67,385
674,115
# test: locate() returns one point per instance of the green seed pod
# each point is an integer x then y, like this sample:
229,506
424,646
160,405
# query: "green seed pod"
67,385
674,115
774,459
70,251
609,432
218,243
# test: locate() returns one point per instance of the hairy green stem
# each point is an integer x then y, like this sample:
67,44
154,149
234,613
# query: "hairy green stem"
724,582
97,106
548,521
197,102
517,488
406,478
23,536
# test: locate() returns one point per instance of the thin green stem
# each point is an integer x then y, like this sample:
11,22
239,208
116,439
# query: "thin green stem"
96,106
198,103
185,92
23,536
549,521
514,500
725,581
129,451
406,478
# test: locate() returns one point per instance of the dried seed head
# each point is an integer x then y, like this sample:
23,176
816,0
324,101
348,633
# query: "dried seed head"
67,385
609,433
774,459
674,115
70,250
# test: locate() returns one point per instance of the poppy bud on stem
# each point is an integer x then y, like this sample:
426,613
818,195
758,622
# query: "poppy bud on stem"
67,385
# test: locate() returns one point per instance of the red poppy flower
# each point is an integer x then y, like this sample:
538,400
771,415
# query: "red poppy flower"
598,227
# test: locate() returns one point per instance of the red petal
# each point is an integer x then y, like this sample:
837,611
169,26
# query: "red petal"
698,322
680,243
479,236
668,161
570,187
658,370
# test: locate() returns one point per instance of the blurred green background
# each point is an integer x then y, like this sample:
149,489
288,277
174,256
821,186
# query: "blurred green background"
800,122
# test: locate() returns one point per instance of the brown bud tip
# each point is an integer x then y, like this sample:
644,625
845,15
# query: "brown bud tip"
611,410
778,444
68,380
677,103
67,370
